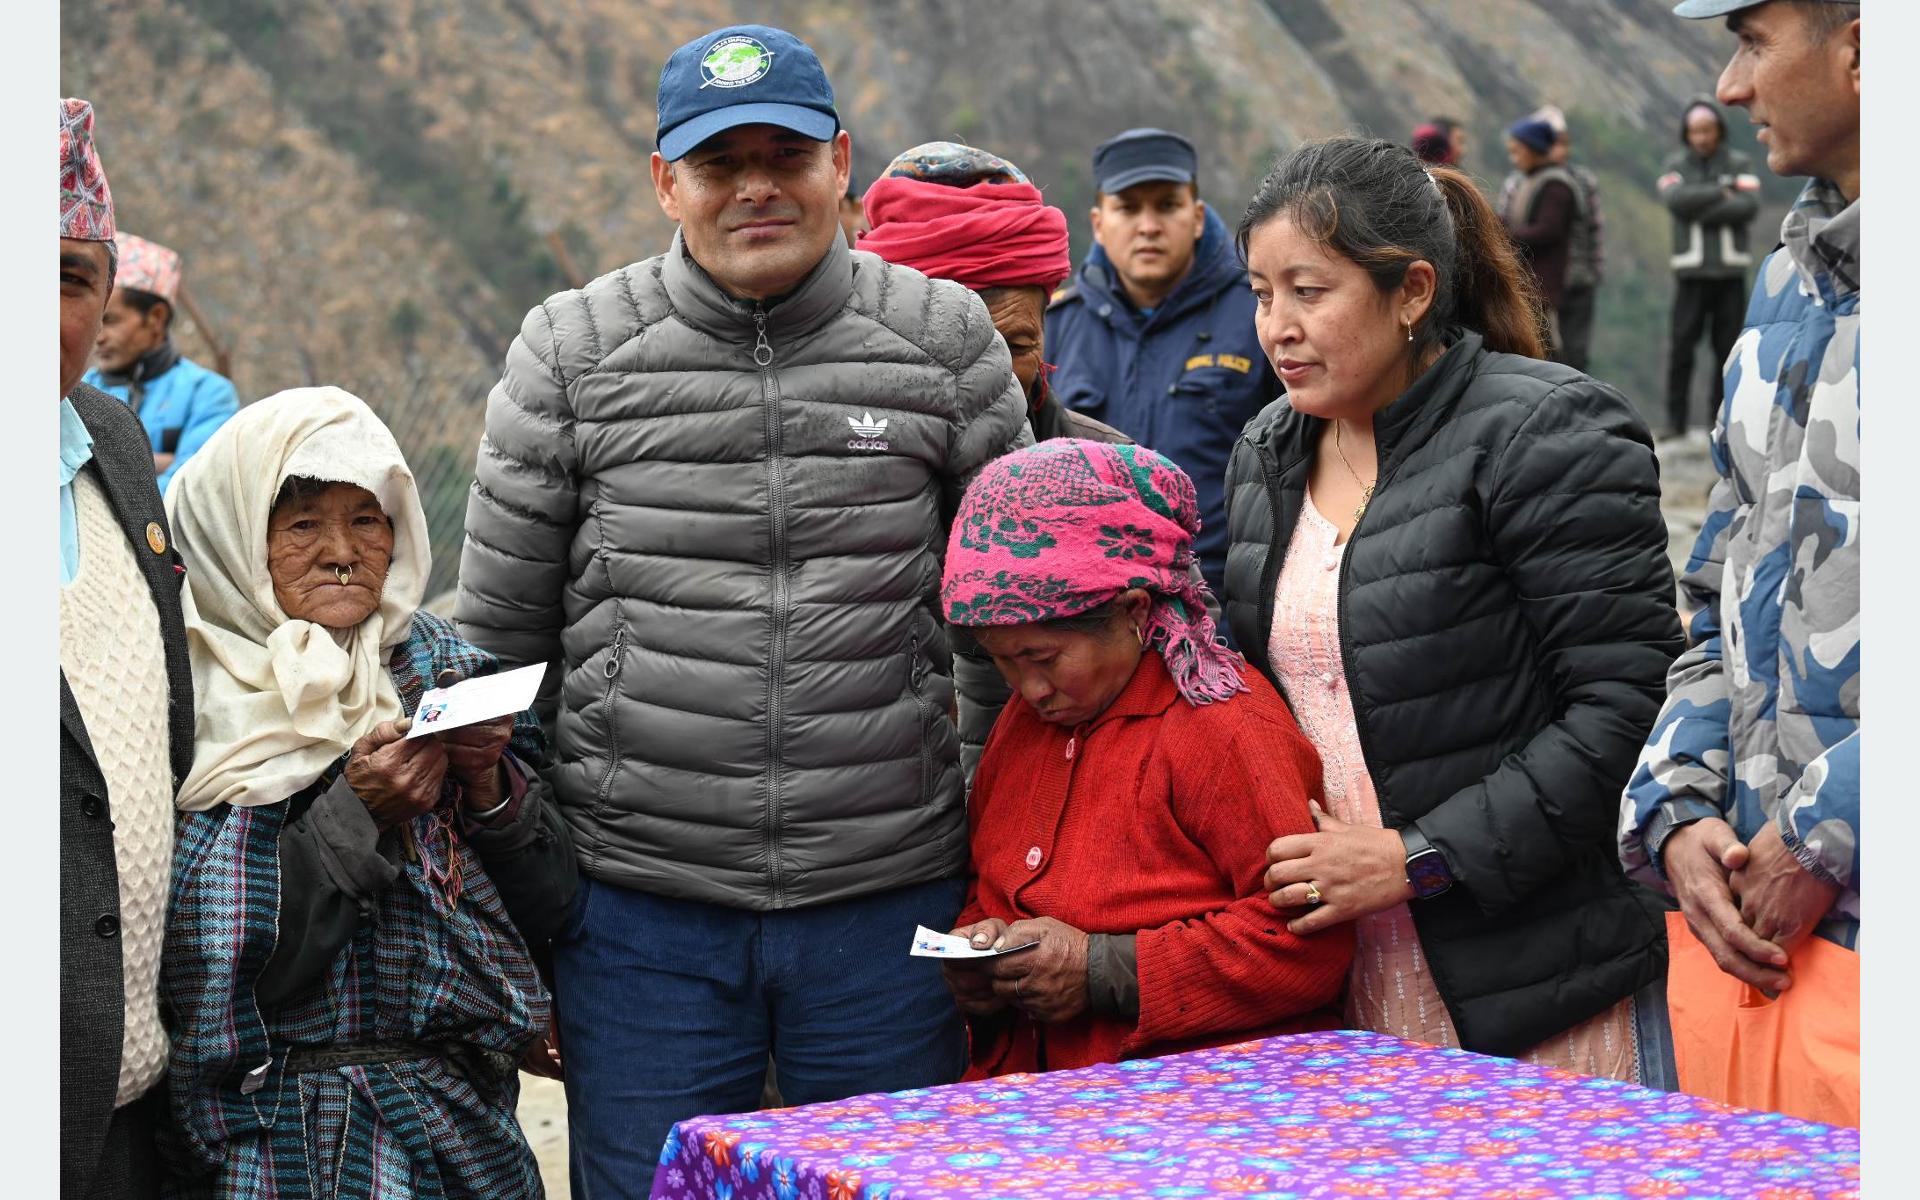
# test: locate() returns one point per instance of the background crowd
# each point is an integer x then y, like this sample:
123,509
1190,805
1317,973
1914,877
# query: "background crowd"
1261,628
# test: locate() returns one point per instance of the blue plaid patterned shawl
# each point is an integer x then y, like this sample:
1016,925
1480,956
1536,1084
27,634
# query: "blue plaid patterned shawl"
417,969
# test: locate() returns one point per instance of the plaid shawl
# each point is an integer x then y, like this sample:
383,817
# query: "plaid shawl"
1062,527
418,968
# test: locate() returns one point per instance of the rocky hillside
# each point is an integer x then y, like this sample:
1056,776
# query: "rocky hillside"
372,194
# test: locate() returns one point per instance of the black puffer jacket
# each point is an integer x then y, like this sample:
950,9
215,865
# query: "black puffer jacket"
1507,617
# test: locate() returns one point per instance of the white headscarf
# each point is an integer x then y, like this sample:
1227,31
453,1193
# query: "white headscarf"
276,699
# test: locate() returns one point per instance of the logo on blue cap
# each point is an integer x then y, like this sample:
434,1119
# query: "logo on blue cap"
735,62
704,88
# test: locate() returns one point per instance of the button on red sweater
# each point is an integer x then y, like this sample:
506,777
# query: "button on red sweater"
1153,820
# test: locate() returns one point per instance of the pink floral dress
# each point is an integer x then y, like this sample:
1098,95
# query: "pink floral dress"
1390,989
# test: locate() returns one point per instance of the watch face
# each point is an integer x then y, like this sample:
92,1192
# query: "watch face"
1428,874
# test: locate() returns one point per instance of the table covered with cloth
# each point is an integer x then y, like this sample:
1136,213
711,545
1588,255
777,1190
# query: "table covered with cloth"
1310,1115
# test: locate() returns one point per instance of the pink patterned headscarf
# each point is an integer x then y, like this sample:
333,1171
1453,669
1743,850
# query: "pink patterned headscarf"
1062,527
86,203
147,267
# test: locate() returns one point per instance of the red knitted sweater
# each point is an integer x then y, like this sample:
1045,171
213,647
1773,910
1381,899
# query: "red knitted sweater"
1153,819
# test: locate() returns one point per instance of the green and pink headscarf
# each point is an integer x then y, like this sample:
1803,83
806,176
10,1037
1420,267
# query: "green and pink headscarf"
1060,528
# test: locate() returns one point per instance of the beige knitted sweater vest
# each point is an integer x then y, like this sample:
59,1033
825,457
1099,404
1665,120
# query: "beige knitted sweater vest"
116,667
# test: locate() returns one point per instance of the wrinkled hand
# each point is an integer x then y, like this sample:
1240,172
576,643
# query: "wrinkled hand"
543,1057
1780,900
473,754
1699,860
473,759
1359,870
1048,982
395,778
969,979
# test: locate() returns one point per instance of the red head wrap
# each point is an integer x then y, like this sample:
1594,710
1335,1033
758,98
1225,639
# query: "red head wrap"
982,236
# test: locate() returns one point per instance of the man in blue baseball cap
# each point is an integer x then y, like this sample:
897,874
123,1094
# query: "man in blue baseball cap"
713,489
747,129
1746,801
1154,334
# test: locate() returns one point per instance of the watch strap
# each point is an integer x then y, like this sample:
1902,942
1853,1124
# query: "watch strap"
1427,870
1415,841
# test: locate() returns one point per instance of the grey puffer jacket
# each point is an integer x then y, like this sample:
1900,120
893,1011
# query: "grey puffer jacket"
726,523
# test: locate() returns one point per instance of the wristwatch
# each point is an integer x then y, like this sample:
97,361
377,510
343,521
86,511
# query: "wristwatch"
1427,871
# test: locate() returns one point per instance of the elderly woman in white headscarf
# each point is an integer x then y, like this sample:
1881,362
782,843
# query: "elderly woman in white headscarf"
347,962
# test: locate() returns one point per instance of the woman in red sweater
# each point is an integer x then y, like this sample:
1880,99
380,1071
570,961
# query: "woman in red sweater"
1121,815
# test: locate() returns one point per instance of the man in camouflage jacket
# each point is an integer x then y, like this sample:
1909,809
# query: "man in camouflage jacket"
1746,801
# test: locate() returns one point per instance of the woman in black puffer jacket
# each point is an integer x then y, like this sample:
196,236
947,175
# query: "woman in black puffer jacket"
1474,621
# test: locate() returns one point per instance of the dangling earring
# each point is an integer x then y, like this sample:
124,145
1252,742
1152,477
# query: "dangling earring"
1138,636
1409,333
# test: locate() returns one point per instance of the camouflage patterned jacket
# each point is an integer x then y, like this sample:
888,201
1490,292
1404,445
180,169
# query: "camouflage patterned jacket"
1762,716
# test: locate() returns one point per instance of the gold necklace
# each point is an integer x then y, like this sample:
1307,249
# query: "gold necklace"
1366,489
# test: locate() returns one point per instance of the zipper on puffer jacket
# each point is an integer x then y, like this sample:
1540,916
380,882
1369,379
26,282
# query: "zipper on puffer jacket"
782,595
1276,554
917,682
615,661
1380,479
1346,641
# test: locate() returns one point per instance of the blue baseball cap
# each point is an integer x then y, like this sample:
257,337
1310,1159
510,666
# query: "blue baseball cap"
1699,9
1140,155
742,75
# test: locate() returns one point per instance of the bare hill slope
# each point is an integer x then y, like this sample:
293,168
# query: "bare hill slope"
373,194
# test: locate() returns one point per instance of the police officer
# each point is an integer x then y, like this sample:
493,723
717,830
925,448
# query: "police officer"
1154,334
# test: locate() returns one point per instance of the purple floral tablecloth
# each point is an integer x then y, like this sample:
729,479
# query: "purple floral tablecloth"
1315,1115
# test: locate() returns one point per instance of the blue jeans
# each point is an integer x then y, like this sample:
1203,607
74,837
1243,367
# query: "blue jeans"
1653,1037
668,1009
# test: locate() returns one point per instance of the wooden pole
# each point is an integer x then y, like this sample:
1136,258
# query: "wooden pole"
222,359
560,255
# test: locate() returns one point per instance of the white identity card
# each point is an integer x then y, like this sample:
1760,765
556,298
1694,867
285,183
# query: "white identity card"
928,944
481,698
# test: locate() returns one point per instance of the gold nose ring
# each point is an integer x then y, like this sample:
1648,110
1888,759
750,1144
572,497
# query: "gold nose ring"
343,574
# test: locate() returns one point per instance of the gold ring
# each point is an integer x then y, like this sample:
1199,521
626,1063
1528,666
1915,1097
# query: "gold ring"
1313,895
